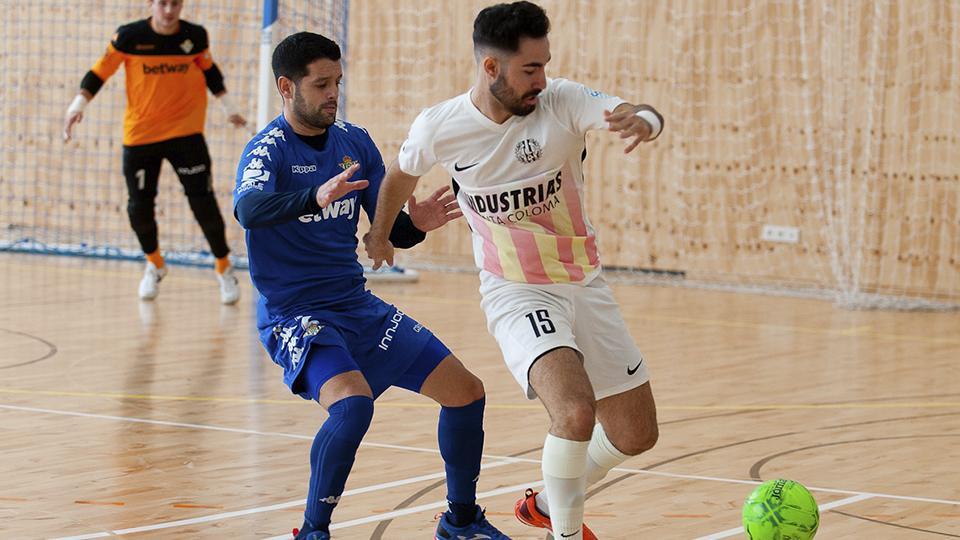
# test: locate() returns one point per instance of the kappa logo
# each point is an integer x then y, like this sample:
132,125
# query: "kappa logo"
276,133
289,342
253,176
268,139
261,151
303,169
528,151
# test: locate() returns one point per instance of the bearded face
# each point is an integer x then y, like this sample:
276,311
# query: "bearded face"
519,104
317,115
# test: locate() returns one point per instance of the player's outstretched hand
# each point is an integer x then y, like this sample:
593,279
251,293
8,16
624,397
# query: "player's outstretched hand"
339,185
379,250
435,211
237,120
72,118
628,124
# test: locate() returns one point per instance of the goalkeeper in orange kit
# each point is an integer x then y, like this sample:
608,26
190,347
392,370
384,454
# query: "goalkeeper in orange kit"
168,70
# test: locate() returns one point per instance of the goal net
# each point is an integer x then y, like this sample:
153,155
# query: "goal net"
71,198
810,147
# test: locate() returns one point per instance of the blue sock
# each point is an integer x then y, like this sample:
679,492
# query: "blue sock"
331,457
460,434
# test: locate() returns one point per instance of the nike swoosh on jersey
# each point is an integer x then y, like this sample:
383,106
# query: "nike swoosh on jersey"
458,168
635,368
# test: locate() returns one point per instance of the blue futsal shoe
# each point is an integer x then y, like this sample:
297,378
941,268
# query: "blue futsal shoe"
480,529
312,535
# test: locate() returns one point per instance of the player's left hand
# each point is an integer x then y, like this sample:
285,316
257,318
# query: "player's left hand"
379,250
237,120
626,122
435,211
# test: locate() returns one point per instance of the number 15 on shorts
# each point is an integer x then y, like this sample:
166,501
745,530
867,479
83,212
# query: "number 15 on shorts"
541,323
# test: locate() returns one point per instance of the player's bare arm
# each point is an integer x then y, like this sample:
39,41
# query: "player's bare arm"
397,187
339,185
642,123
75,113
234,117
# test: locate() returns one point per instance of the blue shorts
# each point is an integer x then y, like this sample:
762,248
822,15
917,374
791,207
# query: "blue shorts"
374,337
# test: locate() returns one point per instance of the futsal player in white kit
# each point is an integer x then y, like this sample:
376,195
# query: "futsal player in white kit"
514,145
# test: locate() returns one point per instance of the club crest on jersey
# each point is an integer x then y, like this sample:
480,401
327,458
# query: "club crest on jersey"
347,162
311,327
528,151
186,46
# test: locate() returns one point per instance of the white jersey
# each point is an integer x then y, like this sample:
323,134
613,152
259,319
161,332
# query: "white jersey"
521,182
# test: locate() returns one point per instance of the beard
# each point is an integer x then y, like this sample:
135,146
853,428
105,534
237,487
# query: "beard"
317,118
509,98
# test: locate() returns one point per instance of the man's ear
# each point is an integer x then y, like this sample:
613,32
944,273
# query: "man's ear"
492,66
286,87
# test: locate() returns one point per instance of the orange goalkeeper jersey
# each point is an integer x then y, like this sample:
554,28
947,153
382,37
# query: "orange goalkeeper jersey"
166,88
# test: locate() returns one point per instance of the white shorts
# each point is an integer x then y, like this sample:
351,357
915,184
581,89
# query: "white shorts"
530,320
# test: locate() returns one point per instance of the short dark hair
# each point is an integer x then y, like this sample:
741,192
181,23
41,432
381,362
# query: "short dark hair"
501,26
297,51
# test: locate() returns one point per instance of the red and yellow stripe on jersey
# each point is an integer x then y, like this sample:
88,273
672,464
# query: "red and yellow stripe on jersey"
166,87
532,231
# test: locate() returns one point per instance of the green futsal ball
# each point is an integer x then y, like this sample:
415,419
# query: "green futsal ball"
780,510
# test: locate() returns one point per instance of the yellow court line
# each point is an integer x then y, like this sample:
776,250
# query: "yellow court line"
857,331
730,407
132,273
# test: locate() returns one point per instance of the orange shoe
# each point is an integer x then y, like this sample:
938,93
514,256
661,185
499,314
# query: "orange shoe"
526,511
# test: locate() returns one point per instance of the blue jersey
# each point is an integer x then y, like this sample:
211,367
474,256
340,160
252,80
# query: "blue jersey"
309,262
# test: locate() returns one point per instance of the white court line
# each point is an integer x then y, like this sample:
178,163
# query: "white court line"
233,430
281,506
823,508
503,459
416,509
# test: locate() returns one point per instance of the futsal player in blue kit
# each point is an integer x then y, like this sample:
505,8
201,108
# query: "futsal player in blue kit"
337,343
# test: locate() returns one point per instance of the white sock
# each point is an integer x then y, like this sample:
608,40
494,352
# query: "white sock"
602,456
564,466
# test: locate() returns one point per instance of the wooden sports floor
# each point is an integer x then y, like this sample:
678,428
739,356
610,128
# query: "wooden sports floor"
167,420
